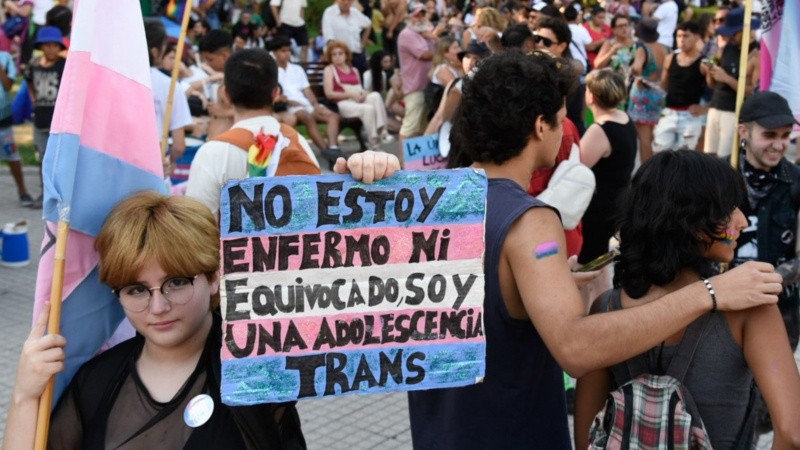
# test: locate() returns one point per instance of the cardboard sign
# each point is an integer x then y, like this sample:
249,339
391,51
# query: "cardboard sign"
422,153
330,286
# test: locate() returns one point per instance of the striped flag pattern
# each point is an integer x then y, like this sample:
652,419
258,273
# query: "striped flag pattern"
103,147
780,50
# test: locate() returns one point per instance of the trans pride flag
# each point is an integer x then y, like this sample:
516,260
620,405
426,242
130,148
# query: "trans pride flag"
103,147
780,50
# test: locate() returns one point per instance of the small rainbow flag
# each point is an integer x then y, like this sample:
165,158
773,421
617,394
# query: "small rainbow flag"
260,154
175,9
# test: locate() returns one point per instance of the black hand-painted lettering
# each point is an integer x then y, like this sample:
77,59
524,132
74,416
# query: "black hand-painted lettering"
326,201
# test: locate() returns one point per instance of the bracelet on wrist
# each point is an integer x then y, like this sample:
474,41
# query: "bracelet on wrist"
712,293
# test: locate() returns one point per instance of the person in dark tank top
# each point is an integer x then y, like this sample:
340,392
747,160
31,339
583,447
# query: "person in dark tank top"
682,119
696,220
535,322
609,148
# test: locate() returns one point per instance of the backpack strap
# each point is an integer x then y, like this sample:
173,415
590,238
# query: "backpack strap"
625,371
292,160
749,423
240,137
687,348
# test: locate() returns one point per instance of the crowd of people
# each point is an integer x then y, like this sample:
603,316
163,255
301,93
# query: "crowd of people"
521,86
411,53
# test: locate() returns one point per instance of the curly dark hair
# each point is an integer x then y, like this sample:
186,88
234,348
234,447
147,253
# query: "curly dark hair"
501,102
675,200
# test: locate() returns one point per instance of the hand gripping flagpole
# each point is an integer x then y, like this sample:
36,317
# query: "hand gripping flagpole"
54,323
741,82
176,68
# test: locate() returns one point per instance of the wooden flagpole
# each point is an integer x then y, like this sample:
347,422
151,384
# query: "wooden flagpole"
53,327
176,68
742,81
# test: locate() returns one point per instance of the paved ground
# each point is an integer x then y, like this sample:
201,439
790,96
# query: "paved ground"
353,422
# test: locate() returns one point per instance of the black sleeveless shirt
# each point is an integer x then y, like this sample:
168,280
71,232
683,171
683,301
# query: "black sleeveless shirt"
686,84
521,402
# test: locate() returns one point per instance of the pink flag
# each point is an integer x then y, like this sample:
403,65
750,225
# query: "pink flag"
103,147
780,50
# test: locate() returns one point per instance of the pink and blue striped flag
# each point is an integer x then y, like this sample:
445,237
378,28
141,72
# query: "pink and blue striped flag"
103,147
780,50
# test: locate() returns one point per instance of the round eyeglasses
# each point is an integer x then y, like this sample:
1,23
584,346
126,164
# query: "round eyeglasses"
136,297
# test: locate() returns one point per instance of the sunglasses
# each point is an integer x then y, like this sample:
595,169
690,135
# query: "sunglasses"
718,20
547,41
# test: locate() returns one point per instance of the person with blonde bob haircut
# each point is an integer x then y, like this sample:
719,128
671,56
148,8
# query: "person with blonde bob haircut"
177,234
160,256
609,148
342,84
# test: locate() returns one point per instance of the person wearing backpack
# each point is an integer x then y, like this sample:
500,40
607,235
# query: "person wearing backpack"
251,80
680,218
259,145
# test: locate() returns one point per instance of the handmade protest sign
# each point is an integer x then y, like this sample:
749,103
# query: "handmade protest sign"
422,153
330,286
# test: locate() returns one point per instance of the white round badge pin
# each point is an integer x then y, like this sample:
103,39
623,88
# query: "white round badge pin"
198,410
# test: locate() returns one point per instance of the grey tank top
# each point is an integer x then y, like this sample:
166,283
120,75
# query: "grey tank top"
718,379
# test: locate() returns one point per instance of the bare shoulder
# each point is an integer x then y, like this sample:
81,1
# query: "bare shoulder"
534,228
533,220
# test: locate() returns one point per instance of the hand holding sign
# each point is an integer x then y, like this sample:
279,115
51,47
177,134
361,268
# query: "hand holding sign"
368,166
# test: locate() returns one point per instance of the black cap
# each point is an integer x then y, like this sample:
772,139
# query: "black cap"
768,109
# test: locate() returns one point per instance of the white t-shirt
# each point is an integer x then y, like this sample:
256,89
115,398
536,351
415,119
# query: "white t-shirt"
181,116
667,16
39,12
347,29
580,38
217,162
293,80
290,11
367,82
